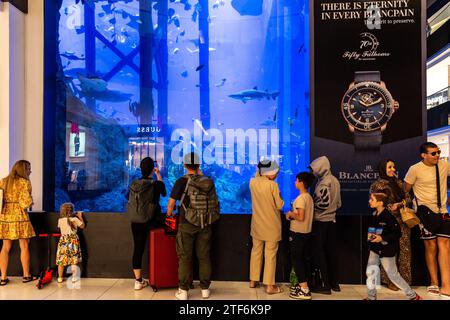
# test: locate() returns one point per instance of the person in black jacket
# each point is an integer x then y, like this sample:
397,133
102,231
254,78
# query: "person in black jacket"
140,231
384,234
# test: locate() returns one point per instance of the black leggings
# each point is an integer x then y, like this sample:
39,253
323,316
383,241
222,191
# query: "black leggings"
140,235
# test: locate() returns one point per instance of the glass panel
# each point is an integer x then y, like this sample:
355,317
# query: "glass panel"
226,79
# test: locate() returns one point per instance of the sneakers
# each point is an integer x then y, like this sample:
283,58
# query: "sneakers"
301,294
322,290
292,289
182,294
140,285
206,293
336,287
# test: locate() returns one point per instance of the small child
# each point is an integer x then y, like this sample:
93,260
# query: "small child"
301,218
384,246
69,252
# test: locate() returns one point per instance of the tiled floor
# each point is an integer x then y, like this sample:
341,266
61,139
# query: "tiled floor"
122,289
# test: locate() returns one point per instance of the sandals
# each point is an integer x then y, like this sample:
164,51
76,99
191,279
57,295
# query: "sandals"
433,290
4,282
278,290
28,279
254,284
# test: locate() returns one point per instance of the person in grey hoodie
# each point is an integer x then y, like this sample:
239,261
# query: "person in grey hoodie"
327,199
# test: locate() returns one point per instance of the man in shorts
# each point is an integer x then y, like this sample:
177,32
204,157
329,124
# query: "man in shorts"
425,178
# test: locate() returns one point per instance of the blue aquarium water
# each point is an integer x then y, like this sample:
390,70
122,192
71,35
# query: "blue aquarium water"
228,79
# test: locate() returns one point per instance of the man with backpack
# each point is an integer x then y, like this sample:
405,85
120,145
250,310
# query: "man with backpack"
199,208
144,212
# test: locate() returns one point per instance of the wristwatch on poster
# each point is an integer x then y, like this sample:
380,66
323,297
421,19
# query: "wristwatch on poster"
367,107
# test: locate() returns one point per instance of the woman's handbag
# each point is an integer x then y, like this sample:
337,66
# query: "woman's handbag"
409,216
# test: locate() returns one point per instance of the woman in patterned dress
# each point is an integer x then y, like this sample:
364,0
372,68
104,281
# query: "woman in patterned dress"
389,184
14,221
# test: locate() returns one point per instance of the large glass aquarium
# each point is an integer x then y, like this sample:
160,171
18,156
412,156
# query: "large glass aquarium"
228,79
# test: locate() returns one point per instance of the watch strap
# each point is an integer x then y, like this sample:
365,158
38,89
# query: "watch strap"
372,76
367,140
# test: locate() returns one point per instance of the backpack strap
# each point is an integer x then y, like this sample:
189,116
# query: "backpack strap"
185,191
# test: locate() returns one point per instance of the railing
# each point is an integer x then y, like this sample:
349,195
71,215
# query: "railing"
438,98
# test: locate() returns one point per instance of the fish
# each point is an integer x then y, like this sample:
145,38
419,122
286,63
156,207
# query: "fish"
254,94
92,84
198,50
220,124
301,48
108,95
187,5
80,30
221,83
184,74
170,12
200,67
107,8
268,123
295,135
183,33
196,42
194,16
176,20
175,51
218,3
134,22
291,121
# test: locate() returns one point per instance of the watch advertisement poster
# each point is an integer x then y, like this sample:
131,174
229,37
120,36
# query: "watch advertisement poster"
367,90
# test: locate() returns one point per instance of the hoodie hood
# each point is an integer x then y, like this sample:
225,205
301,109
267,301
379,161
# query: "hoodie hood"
321,167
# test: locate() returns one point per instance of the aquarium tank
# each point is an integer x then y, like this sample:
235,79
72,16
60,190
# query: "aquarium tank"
227,79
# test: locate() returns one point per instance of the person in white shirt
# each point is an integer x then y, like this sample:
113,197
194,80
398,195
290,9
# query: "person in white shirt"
425,178
301,218
69,252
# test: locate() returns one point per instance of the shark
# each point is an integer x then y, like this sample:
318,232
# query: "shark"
252,94
94,84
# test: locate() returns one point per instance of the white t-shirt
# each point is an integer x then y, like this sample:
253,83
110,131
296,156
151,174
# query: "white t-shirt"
303,201
423,180
65,228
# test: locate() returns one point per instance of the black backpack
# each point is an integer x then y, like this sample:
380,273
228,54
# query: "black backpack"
141,207
203,208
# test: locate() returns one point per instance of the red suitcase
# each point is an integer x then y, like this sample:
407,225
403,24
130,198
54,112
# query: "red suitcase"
163,270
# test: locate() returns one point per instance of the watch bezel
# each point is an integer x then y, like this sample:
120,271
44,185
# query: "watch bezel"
390,106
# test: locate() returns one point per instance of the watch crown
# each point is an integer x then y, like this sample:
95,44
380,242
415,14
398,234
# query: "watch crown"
396,105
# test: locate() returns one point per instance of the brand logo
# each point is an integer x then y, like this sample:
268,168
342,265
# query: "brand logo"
367,50
359,177
236,146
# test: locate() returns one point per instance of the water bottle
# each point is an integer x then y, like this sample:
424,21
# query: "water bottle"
293,278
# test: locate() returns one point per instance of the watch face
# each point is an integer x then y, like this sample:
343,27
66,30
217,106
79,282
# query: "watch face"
367,106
